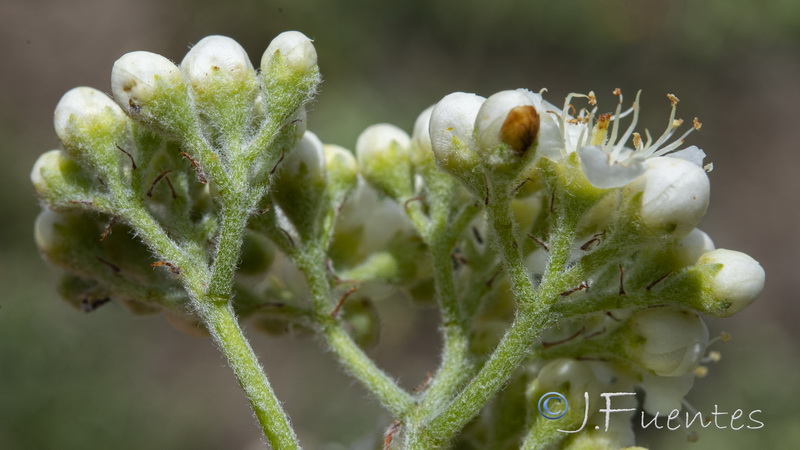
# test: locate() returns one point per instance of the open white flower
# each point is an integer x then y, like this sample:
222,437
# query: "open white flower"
606,160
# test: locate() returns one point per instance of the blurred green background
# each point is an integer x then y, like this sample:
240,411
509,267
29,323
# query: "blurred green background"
71,380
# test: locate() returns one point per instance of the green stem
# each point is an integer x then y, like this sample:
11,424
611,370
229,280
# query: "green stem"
218,316
391,396
603,302
541,438
312,263
231,234
441,236
455,366
532,316
220,320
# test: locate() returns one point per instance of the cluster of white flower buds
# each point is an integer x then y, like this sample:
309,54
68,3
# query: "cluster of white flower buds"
171,133
648,332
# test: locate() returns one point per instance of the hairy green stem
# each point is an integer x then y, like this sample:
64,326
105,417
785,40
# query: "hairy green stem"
391,396
224,328
541,438
218,316
532,316
441,236
455,366
312,263
226,260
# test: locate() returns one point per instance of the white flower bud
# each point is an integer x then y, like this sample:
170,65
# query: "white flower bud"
570,378
58,179
45,233
421,148
564,370
341,166
50,162
139,77
214,56
526,210
668,342
382,151
620,433
665,394
451,127
740,280
300,185
675,194
692,247
341,158
84,107
510,118
377,140
306,160
296,50
373,219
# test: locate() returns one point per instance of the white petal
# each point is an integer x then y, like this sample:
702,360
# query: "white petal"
665,394
675,194
669,342
693,246
692,154
604,173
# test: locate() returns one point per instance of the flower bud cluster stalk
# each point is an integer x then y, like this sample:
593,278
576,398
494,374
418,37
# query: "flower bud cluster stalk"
148,200
560,247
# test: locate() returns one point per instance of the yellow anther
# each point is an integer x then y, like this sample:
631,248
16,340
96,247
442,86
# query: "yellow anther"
673,100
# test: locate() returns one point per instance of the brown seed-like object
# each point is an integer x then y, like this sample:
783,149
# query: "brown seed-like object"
520,128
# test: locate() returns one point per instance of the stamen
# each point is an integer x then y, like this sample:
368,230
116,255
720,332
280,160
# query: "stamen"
689,407
582,138
566,118
592,98
723,337
563,117
625,113
614,123
637,141
712,357
673,100
589,129
629,131
649,150
649,138
677,143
